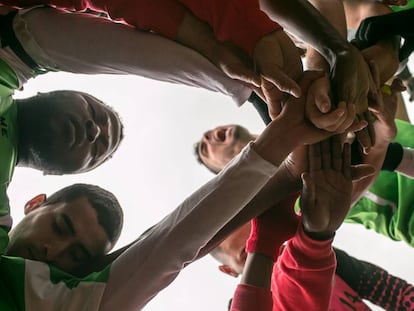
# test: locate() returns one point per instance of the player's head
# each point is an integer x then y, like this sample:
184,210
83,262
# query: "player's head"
218,146
66,132
71,227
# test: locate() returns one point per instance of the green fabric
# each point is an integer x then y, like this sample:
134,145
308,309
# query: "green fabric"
8,145
391,213
409,5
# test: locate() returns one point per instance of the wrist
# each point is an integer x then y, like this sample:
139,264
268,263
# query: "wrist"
319,236
280,131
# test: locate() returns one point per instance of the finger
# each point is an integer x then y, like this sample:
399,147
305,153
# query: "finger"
375,73
273,97
326,121
246,75
347,119
308,193
314,157
370,127
336,153
397,86
346,161
363,137
361,171
283,82
357,125
326,154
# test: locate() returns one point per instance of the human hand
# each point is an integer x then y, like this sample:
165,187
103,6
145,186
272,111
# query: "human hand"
327,187
278,61
352,83
318,109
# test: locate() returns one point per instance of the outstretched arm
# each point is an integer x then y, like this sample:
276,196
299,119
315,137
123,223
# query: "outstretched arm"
78,43
306,268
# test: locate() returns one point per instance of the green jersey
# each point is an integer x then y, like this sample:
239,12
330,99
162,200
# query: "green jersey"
388,206
26,284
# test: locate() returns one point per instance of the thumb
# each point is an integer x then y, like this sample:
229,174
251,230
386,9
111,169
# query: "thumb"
244,74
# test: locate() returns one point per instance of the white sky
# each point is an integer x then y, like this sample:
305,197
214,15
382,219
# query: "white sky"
155,169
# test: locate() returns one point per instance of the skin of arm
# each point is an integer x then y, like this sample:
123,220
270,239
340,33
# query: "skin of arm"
385,126
385,52
350,76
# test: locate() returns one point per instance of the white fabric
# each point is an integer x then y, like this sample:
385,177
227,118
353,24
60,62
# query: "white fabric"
82,43
155,261
42,294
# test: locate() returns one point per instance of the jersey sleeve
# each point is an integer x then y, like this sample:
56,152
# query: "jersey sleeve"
373,283
152,263
303,274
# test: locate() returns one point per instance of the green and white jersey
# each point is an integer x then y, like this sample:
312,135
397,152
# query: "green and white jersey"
8,146
26,284
388,206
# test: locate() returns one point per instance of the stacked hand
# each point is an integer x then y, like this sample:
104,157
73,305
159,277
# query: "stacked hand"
278,61
327,188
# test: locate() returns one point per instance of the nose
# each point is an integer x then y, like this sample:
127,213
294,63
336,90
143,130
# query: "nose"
53,250
207,135
92,131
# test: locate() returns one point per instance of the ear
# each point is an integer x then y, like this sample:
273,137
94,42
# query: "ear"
229,271
34,203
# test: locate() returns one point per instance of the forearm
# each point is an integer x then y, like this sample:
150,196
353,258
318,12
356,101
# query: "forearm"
177,239
262,201
333,11
257,270
81,43
301,19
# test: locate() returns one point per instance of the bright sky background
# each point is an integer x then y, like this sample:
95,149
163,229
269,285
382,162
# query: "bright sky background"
155,169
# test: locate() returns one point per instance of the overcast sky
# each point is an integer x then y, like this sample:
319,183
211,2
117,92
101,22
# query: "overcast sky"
155,169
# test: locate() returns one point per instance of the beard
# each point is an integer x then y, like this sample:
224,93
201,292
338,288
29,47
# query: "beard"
37,140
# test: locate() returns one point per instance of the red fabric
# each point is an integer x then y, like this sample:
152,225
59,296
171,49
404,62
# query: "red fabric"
271,229
248,298
345,298
238,21
303,275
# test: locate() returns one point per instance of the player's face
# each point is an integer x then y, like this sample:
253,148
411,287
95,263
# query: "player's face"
66,235
73,134
218,146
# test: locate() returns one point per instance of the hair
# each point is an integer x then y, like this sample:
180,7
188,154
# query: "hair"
108,209
200,161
